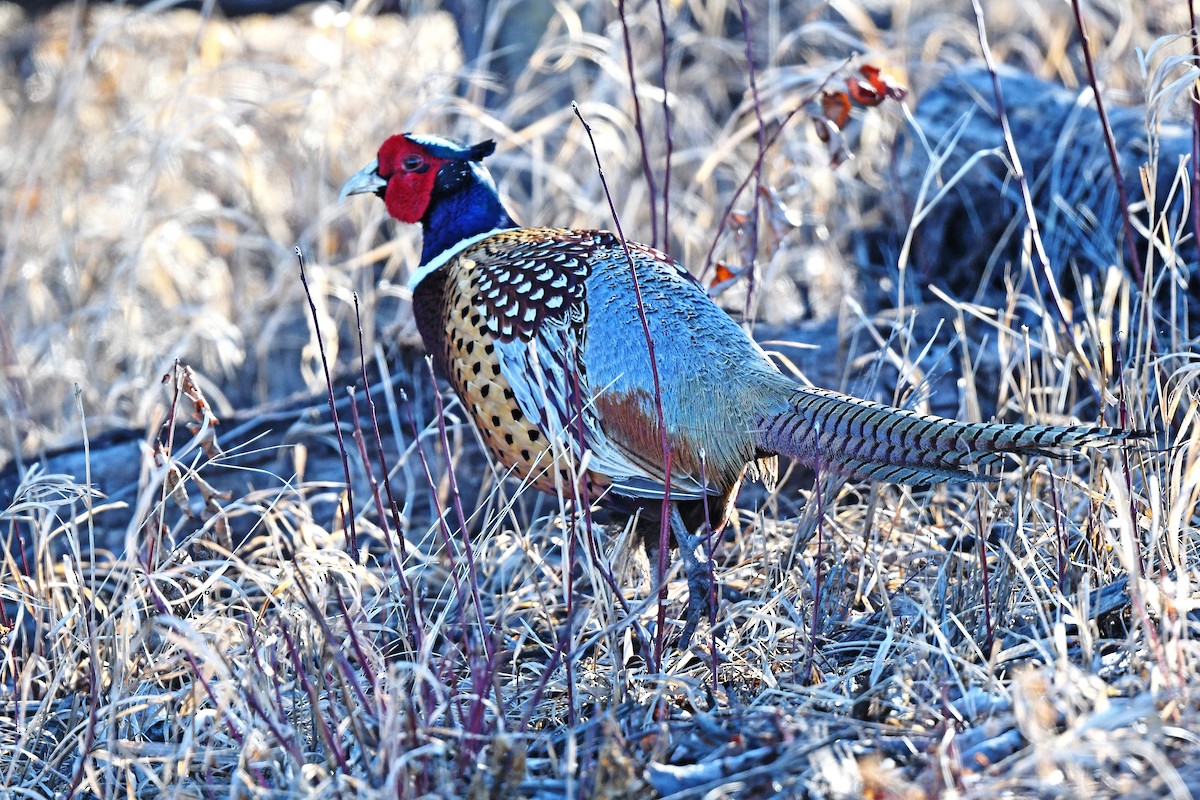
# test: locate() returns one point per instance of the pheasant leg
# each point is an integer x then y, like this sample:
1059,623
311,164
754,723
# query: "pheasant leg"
701,595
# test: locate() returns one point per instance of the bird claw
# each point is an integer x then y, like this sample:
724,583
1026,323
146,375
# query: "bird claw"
701,595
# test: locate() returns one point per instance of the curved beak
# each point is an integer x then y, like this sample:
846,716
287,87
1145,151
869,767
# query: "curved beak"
365,181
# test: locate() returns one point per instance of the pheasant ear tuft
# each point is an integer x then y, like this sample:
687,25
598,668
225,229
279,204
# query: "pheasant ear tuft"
478,152
449,149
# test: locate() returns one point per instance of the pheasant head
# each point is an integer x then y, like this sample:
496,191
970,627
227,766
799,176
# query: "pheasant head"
438,183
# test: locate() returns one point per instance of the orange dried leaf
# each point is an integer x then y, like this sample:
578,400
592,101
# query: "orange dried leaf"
836,108
863,93
726,276
883,83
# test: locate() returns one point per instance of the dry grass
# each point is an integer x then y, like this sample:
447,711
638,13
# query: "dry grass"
158,171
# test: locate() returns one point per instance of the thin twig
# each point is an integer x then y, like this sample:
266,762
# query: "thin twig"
637,124
819,489
981,541
658,396
1059,538
666,107
1135,261
758,163
712,577
476,722
756,167
414,617
1194,35
348,519
1039,248
443,527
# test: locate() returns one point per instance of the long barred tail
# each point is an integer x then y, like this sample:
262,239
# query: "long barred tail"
862,439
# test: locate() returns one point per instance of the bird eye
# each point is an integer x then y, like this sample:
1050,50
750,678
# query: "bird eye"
412,163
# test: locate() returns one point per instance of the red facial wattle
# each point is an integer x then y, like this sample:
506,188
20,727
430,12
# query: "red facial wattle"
410,171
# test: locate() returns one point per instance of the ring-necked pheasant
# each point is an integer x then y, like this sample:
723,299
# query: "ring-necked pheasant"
539,332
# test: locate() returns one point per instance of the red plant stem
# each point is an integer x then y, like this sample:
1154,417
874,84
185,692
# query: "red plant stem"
983,568
1195,37
582,500
663,551
1018,171
816,612
756,168
712,577
447,535
1058,537
288,743
637,124
477,705
758,162
579,489
314,698
664,526
318,617
337,423
666,107
415,618
1135,261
